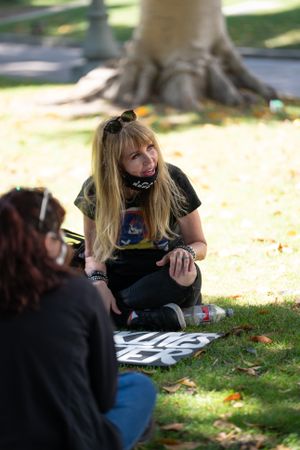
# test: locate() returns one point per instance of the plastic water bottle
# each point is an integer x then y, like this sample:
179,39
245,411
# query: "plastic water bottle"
201,314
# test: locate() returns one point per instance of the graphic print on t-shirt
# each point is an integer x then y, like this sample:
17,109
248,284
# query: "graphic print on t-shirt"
134,233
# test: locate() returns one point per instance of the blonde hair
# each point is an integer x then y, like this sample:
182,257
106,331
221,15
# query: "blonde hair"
163,197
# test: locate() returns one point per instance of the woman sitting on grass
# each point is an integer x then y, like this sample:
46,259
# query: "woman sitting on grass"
142,228
59,385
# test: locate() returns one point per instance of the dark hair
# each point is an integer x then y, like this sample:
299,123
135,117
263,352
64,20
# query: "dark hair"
26,269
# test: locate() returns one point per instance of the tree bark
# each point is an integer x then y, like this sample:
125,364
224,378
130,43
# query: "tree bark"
181,53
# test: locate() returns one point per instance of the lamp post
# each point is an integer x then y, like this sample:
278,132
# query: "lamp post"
99,43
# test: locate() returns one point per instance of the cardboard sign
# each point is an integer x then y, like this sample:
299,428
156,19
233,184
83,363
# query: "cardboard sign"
158,348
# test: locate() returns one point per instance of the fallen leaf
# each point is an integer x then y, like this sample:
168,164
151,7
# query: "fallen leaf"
263,311
249,370
297,302
233,397
265,240
177,153
168,441
199,353
148,371
172,388
239,404
183,446
262,339
173,427
142,111
221,423
241,441
237,331
205,186
187,382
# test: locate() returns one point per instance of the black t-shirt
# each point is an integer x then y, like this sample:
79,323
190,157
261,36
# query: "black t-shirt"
133,234
58,373
139,254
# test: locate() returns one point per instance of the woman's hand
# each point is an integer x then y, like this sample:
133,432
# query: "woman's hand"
107,297
182,268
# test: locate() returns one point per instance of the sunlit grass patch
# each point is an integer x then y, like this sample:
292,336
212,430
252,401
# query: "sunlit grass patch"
289,38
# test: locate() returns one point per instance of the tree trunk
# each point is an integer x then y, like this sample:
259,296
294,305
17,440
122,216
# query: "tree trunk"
180,53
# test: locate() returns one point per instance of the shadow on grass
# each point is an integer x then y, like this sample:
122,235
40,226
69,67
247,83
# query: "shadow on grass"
269,397
254,30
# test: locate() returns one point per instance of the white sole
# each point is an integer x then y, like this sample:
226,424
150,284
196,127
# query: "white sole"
179,313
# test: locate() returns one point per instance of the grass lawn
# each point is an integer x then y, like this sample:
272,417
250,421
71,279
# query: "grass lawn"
274,26
244,165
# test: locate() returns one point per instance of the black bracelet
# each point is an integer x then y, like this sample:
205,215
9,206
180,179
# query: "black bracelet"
98,275
189,249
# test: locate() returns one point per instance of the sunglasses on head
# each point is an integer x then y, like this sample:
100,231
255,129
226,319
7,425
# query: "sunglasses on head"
114,126
45,200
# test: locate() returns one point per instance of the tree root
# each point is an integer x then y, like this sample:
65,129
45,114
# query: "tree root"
182,83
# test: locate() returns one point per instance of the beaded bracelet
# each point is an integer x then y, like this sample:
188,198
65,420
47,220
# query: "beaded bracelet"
98,275
189,249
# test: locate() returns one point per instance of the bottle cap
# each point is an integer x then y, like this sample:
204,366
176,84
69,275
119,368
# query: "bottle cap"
229,312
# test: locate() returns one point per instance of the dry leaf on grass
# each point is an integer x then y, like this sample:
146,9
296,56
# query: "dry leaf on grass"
263,311
238,404
253,371
233,397
262,339
187,382
172,388
297,303
173,427
199,353
243,441
265,240
148,371
143,111
238,330
177,445
177,153
222,423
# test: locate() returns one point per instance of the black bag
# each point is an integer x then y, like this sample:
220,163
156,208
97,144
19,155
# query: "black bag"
76,242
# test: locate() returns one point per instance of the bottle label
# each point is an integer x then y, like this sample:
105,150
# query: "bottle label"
205,310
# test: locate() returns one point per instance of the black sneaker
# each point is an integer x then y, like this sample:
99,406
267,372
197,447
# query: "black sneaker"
167,318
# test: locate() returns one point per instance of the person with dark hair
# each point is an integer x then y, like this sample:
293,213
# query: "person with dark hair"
142,228
59,382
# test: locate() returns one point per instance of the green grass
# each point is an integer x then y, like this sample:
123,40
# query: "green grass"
245,168
269,404
277,27
270,30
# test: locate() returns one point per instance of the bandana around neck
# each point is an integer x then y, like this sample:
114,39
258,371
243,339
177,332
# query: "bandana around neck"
139,183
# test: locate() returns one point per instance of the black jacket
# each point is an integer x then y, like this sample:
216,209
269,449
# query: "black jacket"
58,373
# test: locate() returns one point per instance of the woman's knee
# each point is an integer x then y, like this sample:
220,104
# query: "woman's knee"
140,385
